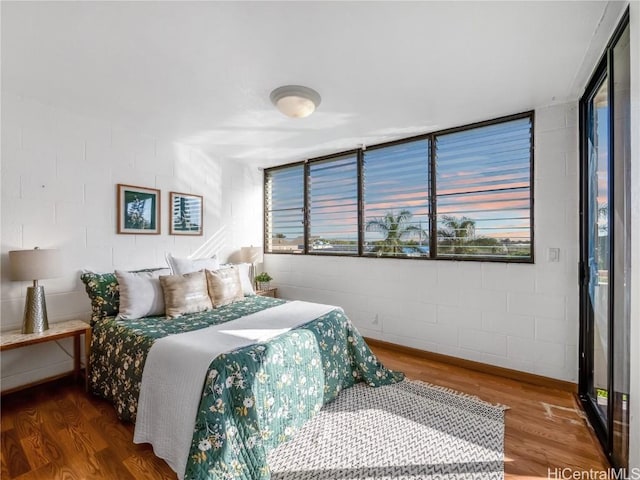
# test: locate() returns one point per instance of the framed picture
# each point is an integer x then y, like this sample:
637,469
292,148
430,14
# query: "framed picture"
138,210
186,214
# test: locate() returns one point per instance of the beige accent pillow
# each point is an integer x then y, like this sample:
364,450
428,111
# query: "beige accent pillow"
185,294
224,286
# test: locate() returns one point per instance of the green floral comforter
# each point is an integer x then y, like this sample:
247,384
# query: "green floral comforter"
254,398
119,348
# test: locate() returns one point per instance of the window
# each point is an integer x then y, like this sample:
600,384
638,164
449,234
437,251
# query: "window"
463,193
483,191
284,209
396,200
333,205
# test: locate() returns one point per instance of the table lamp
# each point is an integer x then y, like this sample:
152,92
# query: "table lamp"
252,255
35,265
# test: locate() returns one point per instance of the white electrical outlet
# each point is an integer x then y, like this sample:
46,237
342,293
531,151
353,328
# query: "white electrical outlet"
553,254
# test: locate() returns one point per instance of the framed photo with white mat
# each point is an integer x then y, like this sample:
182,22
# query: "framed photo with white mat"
186,214
138,210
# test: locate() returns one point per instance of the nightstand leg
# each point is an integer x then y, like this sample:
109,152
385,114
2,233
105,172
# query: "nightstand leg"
87,355
76,357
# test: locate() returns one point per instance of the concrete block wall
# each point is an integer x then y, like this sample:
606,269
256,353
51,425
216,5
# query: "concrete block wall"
59,174
518,316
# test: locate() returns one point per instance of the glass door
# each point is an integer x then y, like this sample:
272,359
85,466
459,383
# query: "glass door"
605,248
598,253
620,59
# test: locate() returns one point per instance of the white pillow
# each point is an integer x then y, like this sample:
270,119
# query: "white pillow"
140,293
180,266
245,279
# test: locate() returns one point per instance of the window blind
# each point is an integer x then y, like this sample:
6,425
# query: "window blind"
483,191
284,209
333,205
396,200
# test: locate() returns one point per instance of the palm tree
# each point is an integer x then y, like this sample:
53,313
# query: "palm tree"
397,229
279,238
456,232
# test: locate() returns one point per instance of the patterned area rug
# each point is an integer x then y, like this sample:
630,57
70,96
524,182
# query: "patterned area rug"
407,431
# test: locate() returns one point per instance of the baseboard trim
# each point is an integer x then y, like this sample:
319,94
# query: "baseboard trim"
53,379
478,366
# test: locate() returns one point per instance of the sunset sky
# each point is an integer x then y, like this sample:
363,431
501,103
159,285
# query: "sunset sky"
482,174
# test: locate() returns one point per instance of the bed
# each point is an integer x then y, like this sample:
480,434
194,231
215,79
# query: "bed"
252,398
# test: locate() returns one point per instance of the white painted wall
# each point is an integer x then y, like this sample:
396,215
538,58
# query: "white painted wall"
59,172
634,397
523,317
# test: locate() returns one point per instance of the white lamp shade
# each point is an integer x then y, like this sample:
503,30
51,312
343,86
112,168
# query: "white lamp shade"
295,107
35,264
252,254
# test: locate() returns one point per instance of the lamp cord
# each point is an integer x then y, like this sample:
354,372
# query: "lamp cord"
82,363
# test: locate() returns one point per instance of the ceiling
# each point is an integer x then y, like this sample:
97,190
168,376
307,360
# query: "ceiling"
201,72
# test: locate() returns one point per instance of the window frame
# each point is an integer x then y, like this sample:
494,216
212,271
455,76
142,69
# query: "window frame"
265,238
518,116
431,174
430,198
307,219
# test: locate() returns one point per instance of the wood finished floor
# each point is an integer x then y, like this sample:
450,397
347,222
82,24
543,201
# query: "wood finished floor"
57,431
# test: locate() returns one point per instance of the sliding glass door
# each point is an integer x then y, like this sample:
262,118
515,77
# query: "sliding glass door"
621,255
598,251
605,248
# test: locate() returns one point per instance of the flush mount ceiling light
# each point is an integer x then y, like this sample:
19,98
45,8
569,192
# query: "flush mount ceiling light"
295,101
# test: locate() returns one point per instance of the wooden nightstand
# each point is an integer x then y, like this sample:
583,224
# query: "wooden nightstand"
71,328
270,292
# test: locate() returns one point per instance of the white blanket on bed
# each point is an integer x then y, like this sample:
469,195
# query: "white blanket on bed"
176,367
